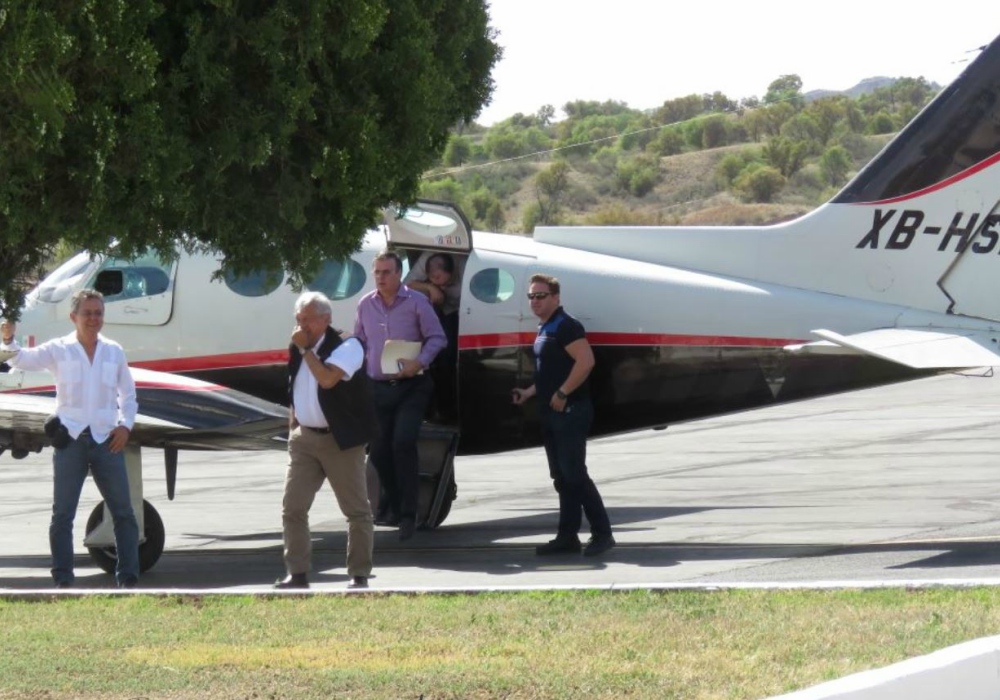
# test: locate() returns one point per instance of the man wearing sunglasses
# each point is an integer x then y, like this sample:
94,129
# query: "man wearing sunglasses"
563,362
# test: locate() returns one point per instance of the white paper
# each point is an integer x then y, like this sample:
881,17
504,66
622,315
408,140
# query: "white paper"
395,350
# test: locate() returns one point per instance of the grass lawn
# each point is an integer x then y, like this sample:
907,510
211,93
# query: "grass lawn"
635,644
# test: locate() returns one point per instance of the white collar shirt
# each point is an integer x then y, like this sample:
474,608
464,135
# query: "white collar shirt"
349,357
99,394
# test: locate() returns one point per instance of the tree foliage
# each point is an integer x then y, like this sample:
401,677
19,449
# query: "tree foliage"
835,163
271,132
786,89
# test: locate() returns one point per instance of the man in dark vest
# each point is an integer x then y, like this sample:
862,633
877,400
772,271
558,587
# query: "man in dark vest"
332,418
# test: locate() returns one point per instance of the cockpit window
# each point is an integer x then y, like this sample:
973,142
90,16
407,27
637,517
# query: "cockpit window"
63,280
492,285
146,275
338,280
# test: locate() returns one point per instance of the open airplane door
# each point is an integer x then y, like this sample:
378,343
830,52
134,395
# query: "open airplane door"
437,226
429,225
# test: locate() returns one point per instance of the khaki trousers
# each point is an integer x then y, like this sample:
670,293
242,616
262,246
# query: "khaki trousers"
312,458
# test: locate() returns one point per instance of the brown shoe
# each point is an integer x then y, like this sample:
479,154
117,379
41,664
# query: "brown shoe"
292,581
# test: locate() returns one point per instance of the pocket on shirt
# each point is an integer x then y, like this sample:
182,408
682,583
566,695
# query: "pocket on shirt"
109,373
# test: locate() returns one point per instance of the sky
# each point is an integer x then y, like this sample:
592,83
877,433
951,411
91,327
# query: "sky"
644,52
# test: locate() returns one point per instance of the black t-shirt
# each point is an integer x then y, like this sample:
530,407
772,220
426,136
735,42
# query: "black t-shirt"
552,362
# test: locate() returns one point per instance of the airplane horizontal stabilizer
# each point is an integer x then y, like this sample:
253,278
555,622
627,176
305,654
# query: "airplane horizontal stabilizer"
918,348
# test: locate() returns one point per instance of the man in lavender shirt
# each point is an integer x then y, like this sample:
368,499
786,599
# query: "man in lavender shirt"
395,312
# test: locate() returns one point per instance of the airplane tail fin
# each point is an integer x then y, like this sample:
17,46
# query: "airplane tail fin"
919,226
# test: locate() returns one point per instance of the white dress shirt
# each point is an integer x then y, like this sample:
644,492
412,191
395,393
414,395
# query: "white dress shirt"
349,356
98,394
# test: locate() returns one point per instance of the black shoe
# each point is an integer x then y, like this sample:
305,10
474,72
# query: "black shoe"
63,584
598,545
292,581
390,519
559,546
128,583
358,582
407,526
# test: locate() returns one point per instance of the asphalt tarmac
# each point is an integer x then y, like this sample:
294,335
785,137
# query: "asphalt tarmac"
896,485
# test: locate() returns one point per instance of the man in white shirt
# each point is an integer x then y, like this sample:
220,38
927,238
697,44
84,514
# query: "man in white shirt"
331,421
96,404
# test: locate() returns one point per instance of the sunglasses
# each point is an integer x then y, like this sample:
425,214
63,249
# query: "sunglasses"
539,295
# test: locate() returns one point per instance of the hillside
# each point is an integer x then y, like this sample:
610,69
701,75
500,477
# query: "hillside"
698,160
689,193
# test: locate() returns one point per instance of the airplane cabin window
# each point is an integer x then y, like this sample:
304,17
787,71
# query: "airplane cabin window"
258,283
492,285
338,280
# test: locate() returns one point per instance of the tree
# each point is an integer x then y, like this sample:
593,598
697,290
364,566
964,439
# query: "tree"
458,151
760,184
550,185
786,89
835,163
715,132
273,133
785,155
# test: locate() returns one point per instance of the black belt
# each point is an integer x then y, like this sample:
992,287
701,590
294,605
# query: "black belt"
322,431
399,380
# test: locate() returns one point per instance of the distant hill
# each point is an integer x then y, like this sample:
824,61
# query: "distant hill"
863,88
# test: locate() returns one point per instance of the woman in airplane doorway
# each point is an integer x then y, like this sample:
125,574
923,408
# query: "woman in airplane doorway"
436,275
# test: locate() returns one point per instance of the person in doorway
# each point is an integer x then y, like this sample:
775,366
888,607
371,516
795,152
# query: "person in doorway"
436,275
393,311
332,419
95,411
563,362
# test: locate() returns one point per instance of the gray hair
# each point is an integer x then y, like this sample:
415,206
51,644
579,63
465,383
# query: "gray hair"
319,301
82,295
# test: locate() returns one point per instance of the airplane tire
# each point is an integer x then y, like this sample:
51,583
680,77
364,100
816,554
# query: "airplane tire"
450,496
149,550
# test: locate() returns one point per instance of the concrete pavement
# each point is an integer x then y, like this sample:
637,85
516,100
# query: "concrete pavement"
892,485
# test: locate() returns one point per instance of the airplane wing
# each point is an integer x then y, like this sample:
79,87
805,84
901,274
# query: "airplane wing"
174,412
919,348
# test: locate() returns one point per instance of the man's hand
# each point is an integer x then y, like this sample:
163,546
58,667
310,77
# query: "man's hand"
409,368
119,438
300,338
7,330
519,396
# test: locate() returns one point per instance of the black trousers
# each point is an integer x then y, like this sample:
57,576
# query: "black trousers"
400,407
565,437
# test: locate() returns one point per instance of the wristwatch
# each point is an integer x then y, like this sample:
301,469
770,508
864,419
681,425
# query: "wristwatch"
560,394
303,351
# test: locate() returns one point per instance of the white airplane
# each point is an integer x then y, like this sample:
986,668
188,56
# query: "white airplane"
890,280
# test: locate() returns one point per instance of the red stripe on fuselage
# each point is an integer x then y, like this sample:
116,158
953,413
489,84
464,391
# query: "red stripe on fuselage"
501,340
483,341
229,361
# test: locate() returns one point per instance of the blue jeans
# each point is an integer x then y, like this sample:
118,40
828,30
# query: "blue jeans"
565,438
70,466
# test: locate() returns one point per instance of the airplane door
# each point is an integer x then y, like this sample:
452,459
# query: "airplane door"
496,331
